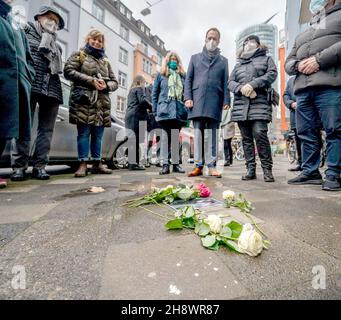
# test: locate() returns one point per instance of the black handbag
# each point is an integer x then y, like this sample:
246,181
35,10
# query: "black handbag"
273,97
80,97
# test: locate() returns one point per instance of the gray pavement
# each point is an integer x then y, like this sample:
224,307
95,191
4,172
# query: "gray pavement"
75,245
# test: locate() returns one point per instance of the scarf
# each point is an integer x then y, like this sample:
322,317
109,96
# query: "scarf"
50,50
175,86
96,53
211,54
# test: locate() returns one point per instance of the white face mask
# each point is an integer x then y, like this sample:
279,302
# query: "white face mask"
250,46
49,25
211,45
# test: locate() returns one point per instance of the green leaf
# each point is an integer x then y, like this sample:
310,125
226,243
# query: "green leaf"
266,244
202,229
209,241
185,194
236,229
226,232
169,199
190,212
189,223
215,247
231,245
175,225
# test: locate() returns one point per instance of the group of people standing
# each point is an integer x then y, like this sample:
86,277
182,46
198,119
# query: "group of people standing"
201,95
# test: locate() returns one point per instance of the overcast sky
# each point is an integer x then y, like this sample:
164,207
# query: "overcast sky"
182,23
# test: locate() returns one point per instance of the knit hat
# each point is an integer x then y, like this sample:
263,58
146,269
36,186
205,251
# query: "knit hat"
45,9
253,37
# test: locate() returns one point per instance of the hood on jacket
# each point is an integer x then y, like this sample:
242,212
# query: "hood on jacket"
261,51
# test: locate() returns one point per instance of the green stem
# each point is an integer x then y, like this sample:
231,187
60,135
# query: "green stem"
255,224
155,214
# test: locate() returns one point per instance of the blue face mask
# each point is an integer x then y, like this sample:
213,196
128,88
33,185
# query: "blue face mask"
317,5
173,65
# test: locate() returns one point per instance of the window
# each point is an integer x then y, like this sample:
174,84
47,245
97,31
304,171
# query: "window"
147,66
124,32
98,11
63,45
121,104
122,79
64,13
129,15
145,47
122,9
159,59
123,56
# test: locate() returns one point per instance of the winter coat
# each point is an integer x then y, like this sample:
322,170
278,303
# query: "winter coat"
45,83
322,40
137,108
166,109
16,77
260,72
82,68
289,98
207,86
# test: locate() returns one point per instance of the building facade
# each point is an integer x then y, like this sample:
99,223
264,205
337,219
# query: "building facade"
130,46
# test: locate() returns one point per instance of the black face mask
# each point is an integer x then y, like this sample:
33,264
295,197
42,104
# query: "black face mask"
97,53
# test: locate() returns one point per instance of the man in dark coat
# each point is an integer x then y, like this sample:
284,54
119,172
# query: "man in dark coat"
206,95
291,103
250,82
46,92
16,76
316,61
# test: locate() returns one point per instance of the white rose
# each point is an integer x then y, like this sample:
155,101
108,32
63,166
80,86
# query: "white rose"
229,195
215,223
250,241
170,187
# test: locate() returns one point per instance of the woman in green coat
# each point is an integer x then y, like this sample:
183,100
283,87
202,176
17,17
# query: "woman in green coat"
16,76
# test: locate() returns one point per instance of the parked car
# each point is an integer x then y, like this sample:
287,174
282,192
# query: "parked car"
64,143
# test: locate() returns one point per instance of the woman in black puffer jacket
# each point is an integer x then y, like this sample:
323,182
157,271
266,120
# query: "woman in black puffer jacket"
250,81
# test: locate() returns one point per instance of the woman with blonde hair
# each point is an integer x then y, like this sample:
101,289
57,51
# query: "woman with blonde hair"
169,108
137,112
90,106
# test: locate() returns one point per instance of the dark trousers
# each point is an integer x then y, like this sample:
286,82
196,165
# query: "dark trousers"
170,142
47,115
89,138
298,147
228,151
206,154
256,131
324,104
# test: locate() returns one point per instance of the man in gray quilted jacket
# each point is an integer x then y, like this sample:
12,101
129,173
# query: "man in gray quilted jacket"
316,61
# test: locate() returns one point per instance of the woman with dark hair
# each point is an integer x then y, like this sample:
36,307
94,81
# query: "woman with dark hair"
169,107
137,112
251,82
93,79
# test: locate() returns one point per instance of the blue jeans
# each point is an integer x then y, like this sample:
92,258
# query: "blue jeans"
323,103
205,154
85,131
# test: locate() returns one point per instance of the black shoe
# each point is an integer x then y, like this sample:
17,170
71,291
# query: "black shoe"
18,175
165,170
227,164
296,169
332,183
147,165
268,176
303,179
177,169
40,174
250,175
136,167
158,164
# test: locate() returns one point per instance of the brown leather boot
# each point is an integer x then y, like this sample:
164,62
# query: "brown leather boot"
197,172
99,168
82,171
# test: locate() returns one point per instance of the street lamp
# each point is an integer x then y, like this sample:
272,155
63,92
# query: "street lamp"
147,11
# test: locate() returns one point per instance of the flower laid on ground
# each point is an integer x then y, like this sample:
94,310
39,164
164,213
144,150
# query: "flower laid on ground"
229,197
232,200
168,195
205,192
214,233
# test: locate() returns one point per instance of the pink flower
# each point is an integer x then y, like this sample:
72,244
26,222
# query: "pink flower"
205,192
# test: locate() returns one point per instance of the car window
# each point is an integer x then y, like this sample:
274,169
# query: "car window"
66,94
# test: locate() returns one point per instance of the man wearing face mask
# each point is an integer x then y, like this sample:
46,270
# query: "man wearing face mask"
316,61
46,92
16,77
206,95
